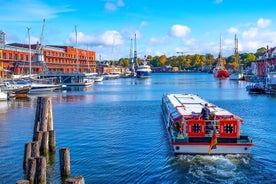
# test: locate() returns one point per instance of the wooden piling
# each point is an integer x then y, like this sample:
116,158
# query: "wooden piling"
27,154
64,156
44,147
38,138
45,114
52,141
50,114
75,180
40,170
31,170
22,182
35,149
37,115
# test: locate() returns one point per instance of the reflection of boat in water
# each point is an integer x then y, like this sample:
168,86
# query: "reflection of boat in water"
191,135
220,71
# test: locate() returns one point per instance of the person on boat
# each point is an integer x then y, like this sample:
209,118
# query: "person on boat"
205,112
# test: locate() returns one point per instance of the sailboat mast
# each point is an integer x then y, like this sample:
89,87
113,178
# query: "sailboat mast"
30,55
220,47
77,59
135,51
131,56
236,53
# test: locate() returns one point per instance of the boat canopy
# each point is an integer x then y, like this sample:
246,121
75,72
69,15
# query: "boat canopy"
189,106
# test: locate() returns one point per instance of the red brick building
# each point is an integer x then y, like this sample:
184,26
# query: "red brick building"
20,59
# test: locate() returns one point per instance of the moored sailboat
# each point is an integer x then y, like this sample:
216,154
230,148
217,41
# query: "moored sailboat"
220,71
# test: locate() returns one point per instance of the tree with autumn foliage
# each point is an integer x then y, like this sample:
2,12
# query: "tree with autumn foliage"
163,60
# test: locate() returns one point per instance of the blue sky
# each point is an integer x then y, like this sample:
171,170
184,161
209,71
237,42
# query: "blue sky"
162,27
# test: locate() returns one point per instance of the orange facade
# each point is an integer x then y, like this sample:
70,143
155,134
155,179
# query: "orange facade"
15,59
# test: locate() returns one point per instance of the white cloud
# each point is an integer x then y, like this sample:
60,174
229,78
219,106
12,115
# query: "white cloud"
190,41
233,30
29,10
156,41
110,6
143,23
179,31
251,33
263,23
120,3
108,38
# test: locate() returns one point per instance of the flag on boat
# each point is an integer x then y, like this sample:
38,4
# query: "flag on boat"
213,142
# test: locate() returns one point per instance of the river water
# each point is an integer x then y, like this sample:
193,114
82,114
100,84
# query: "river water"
115,133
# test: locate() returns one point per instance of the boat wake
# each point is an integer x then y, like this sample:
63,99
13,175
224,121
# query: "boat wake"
215,168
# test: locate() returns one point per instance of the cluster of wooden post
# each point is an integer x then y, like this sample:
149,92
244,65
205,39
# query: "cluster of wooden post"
44,142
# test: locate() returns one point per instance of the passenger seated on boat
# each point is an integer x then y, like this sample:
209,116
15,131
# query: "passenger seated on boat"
210,123
177,127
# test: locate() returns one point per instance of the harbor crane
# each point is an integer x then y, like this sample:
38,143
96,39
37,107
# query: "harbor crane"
39,55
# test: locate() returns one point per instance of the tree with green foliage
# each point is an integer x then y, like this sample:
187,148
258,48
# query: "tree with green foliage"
124,62
259,51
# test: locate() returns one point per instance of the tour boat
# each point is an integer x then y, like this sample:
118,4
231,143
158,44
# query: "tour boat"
189,134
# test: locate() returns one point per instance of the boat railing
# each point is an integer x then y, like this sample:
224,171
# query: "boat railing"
225,128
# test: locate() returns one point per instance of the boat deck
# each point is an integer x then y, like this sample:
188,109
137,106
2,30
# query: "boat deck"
189,106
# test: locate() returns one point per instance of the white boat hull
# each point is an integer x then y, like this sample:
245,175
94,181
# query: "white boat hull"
40,88
203,149
3,96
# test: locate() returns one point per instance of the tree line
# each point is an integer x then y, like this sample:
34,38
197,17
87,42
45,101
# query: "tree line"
196,61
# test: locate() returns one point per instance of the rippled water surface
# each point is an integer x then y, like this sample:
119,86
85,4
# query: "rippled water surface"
115,133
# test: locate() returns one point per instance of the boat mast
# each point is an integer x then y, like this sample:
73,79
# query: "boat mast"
236,53
131,56
135,52
220,62
77,59
30,56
